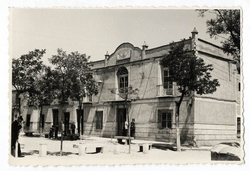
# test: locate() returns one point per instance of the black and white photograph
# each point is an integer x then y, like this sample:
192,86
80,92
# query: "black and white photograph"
125,86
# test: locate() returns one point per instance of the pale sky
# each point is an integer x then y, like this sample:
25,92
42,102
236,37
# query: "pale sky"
96,31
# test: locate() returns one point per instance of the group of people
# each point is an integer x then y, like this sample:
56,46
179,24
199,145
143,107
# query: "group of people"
132,128
53,131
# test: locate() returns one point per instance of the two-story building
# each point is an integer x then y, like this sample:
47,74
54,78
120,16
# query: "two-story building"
207,119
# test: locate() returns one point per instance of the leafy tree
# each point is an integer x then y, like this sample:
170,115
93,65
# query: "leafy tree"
73,78
226,22
42,90
190,73
24,71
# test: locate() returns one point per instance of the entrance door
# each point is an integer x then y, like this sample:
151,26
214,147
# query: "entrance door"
66,122
121,118
55,117
80,121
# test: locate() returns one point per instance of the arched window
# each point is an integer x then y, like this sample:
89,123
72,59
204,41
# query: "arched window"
122,80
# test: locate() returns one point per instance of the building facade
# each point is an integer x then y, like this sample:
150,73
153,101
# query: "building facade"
206,119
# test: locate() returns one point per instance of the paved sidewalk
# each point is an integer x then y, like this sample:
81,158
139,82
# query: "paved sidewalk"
70,154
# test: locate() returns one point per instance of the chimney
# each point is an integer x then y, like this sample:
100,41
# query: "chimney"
106,59
194,33
144,48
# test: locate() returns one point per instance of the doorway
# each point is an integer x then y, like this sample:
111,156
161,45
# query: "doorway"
55,117
121,118
55,122
66,123
79,121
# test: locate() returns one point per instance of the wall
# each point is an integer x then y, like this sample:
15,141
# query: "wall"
226,74
215,121
145,113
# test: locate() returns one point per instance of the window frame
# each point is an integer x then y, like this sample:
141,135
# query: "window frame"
99,120
165,118
166,83
122,75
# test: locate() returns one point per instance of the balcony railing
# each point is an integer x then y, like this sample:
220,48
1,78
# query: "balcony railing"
161,92
87,99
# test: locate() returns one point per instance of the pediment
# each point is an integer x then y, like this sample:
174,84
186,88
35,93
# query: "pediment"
125,51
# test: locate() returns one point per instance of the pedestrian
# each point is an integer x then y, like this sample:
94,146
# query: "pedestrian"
73,127
51,132
126,128
16,126
132,128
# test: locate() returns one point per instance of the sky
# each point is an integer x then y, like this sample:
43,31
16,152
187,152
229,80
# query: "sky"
95,31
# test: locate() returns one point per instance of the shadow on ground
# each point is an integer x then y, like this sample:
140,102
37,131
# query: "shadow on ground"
57,153
49,153
164,147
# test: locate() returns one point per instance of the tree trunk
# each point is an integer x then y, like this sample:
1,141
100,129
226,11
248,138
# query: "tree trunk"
19,105
61,147
40,123
178,141
177,114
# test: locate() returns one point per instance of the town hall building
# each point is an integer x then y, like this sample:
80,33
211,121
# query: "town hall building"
206,119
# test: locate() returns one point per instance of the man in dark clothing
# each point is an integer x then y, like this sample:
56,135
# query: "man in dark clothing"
73,127
132,129
15,129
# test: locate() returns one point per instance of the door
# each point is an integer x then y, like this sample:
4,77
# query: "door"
79,121
66,123
121,118
55,117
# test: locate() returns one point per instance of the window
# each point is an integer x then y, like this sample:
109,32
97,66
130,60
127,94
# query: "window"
239,86
99,119
167,84
165,119
123,79
28,120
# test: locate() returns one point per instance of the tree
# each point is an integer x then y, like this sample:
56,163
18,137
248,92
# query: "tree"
190,73
42,90
24,71
226,22
73,78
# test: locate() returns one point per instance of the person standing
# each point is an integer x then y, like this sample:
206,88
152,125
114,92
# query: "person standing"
16,126
73,127
132,128
126,128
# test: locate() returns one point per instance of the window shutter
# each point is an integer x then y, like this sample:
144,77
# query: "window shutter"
101,120
159,119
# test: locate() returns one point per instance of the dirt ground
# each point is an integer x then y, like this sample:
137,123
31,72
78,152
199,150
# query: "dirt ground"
70,154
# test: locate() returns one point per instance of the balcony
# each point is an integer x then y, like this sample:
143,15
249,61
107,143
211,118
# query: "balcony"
165,92
87,99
